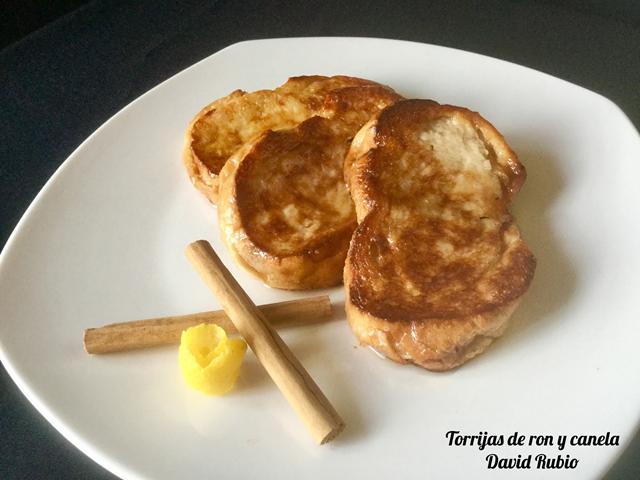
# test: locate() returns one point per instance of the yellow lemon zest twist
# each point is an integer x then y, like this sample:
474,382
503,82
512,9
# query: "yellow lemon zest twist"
209,360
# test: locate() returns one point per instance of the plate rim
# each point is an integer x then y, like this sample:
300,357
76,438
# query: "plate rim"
84,445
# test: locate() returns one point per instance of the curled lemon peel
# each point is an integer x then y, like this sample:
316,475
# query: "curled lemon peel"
209,360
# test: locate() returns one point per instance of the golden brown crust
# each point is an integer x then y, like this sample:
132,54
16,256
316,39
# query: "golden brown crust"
223,126
285,222
436,265
284,208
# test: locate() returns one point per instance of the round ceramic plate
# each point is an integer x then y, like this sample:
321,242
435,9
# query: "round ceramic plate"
104,242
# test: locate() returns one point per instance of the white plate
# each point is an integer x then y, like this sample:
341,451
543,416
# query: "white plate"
103,242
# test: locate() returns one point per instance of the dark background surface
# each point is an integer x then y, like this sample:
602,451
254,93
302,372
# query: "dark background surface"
84,61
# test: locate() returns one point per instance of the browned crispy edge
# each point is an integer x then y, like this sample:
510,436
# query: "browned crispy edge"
466,336
207,181
460,338
318,266
201,177
321,264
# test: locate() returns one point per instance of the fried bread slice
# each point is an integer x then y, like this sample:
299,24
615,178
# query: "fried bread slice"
436,265
223,126
284,209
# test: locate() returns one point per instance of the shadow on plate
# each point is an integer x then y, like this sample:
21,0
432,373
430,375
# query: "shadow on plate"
252,376
555,279
341,395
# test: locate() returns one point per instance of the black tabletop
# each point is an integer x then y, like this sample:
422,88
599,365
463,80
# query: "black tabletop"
61,82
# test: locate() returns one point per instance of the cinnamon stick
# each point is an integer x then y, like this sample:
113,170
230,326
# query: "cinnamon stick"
119,337
302,393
